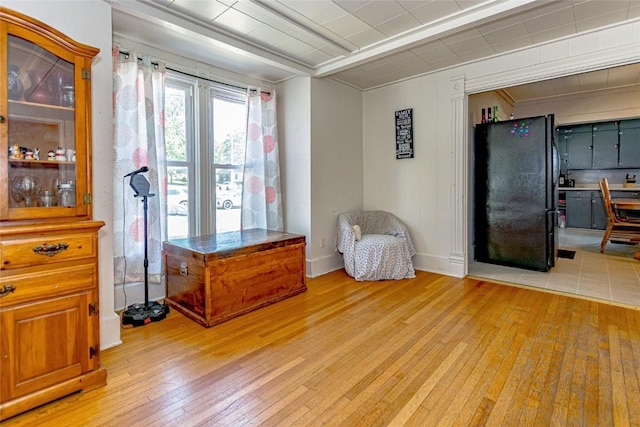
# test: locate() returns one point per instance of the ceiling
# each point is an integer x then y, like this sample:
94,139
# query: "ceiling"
610,78
368,43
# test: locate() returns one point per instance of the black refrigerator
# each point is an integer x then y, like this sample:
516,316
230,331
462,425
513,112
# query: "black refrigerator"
516,178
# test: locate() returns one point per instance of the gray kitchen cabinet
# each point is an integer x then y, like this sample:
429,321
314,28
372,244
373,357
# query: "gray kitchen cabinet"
605,145
629,143
579,209
561,143
598,211
585,209
579,141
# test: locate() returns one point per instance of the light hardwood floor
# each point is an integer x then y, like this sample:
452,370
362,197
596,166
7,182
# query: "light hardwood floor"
428,351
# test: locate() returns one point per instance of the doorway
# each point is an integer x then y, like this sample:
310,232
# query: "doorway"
589,274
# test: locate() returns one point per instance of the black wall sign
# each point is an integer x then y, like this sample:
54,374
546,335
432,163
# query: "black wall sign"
404,134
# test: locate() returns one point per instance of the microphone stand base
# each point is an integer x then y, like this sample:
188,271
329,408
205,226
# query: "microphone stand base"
143,314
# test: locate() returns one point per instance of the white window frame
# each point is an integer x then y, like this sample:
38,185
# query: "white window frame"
199,149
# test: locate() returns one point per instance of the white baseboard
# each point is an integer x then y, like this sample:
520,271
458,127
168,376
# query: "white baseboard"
442,265
438,264
109,330
319,266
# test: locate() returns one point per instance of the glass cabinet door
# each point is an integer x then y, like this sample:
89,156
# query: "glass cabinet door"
41,131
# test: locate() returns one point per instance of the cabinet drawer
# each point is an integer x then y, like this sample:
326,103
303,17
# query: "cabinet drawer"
630,124
562,130
47,250
605,126
581,194
19,288
625,195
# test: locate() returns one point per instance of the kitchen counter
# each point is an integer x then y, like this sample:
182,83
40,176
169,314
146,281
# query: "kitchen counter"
596,187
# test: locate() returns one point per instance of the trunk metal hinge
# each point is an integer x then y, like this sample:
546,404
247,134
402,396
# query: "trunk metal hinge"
86,198
86,74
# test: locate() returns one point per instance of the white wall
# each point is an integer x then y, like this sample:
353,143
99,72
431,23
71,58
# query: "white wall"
416,190
431,192
294,137
320,133
89,22
336,168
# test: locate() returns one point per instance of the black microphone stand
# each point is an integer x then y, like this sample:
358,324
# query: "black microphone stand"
151,311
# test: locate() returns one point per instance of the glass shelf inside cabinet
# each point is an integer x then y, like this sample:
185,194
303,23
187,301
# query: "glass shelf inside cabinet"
41,126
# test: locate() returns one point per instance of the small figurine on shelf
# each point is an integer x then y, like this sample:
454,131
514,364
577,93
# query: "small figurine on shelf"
60,155
15,152
28,154
51,155
36,153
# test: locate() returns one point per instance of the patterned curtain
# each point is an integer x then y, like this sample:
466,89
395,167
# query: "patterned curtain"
138,138
261,196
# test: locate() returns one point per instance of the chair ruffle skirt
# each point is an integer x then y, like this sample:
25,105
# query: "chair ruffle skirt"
382,257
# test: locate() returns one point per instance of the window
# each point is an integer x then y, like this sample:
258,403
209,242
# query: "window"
179,140
227,162
205,144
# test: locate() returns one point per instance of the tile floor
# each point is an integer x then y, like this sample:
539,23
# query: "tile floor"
612,276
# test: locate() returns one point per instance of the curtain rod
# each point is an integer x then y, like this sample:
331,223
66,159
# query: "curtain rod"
155,63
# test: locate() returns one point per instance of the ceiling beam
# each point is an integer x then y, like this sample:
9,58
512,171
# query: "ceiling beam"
271,9
175,21
463,20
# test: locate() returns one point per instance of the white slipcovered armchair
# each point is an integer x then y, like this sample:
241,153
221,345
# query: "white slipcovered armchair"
375,246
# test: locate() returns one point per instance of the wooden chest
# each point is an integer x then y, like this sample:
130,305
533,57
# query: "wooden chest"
214,278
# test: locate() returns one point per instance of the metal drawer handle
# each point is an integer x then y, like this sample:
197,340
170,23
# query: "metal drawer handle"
6,290
50,249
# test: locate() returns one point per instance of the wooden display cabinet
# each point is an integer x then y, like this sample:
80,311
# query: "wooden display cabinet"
49,324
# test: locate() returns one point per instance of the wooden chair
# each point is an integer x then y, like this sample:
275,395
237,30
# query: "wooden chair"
619,229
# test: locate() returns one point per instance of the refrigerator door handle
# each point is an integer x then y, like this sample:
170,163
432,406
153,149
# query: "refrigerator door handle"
552,237
556,164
